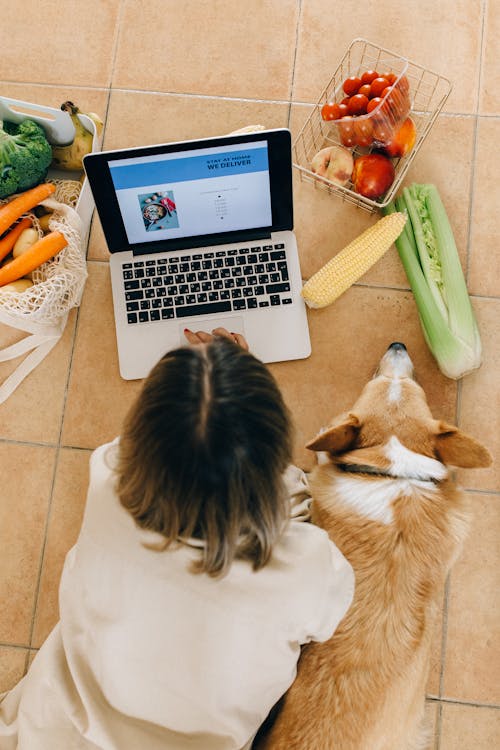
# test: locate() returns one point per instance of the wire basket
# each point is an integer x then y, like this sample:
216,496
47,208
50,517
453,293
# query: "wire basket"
428,93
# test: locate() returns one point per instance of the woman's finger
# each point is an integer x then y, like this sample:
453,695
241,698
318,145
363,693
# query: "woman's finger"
237,338
241,340
204,337
200,337
223,332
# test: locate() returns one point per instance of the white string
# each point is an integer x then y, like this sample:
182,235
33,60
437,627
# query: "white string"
42,309
57,284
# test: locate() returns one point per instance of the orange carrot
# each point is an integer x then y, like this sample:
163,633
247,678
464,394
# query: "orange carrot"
8,242
37,254
24,202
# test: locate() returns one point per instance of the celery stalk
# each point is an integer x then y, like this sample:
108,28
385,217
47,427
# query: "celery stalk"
430,265
460,313
429,255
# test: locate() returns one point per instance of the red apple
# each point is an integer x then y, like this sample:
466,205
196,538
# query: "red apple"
372,176
403,140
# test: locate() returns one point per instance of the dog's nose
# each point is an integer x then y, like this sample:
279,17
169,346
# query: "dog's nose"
396,362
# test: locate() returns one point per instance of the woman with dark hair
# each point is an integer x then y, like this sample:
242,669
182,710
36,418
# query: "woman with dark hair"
192,586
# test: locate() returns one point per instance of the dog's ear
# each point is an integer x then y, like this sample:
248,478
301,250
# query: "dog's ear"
338,438
458,449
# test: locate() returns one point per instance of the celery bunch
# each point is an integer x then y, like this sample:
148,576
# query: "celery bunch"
429,255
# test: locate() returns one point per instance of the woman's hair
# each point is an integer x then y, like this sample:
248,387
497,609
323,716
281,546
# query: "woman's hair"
203,451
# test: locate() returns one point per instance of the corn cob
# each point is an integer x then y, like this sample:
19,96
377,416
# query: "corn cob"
353,261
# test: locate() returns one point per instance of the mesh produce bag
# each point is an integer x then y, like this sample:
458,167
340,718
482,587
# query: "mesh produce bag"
41,311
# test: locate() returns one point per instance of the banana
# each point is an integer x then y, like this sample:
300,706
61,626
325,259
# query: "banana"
99,125
71,157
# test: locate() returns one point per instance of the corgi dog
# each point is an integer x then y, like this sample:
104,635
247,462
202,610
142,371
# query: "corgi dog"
383,491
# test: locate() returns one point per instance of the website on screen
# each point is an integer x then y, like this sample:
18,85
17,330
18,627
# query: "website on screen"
185,194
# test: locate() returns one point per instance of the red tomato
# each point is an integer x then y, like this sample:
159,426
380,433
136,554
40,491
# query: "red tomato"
357,104
351,85
403,85
396,105
377,86
386,91
363,129
391,77
345,100
382,132
344,109
331,111
363,125
365,141
364,89
346,132
369,76
373,103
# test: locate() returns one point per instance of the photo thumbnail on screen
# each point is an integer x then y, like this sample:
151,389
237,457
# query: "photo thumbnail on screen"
158,210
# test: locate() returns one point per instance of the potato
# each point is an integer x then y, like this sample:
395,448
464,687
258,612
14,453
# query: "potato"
26,239
44,222
17,286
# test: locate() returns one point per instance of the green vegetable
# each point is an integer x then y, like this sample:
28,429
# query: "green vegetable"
430,258
25,156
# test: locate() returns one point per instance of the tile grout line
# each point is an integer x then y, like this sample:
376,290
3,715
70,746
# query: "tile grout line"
221,97
33,444
114,54
459,395
109,88
389,288
194,95
439,725
44,544
460,702
472,180
292,82
58,447
43,85
475,139
116,41
471,184
444,643
26,662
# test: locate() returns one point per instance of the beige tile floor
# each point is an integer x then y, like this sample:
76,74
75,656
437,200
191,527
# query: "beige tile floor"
163,71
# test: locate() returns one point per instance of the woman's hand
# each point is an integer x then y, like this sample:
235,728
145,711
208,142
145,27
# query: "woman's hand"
202,337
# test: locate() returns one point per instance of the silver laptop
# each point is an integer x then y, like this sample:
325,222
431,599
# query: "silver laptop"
200,236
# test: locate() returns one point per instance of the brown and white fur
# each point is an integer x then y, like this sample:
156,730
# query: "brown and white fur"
383,491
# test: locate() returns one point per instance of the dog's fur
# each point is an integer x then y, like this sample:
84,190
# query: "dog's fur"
384,493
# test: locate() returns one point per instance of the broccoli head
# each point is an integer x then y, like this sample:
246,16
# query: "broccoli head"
25,156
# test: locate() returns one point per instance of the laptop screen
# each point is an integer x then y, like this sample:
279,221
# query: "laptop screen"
186,194
193,193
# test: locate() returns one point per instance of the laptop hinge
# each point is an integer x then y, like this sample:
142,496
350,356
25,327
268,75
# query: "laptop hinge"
202,241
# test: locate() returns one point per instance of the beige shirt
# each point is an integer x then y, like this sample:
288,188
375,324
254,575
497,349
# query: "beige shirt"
149,655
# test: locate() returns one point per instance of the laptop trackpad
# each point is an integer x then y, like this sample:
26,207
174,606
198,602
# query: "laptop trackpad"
233,324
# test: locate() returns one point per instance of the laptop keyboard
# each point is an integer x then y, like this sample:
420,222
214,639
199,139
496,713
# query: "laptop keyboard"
205,283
